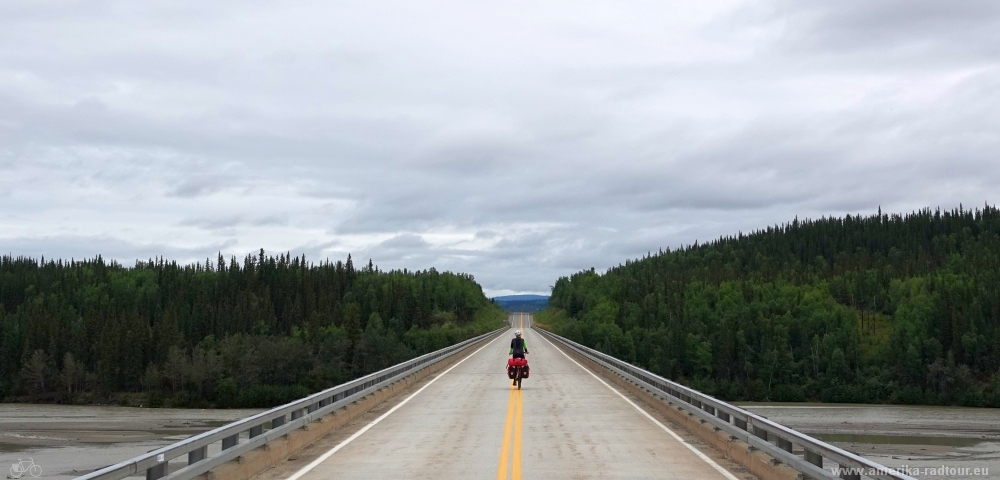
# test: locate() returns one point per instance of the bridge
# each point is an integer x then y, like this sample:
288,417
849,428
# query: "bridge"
454,414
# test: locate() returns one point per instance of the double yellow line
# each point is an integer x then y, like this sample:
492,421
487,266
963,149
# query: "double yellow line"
512,438
510,452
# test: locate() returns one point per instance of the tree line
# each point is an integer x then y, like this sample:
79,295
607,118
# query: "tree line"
255,333
883,308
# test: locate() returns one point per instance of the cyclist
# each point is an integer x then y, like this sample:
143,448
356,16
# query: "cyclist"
518,347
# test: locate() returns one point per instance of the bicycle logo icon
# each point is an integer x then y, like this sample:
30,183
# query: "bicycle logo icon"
23,467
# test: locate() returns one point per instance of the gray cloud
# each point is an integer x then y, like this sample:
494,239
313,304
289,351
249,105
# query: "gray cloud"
110,248
518,144
924,28
219,223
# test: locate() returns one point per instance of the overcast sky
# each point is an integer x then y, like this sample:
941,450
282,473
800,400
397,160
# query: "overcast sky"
515,140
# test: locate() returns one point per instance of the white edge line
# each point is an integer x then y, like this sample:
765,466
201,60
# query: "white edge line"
304,470
697,452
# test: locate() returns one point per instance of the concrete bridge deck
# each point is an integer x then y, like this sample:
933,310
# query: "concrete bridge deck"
468,422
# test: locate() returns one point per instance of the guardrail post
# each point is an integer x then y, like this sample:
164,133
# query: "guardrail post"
197,455
230,441
157,471
254,431
814,458
850,476
784,444
277,422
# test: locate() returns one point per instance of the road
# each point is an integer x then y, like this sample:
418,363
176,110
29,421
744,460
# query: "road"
470,423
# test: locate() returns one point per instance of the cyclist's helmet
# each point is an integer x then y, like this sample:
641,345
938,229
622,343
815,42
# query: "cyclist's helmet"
517,333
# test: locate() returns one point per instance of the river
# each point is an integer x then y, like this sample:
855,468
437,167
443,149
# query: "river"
68,441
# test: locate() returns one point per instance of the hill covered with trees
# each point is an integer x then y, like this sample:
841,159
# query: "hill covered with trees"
251,334
885,308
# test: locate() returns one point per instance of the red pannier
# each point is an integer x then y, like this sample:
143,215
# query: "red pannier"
517,362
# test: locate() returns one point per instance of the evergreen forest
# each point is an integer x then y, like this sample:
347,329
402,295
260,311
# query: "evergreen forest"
875,309
255,333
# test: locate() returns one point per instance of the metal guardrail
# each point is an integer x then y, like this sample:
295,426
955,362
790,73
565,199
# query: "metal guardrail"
753,429
280,420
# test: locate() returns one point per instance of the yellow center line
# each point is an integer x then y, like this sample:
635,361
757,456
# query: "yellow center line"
505,449
512,435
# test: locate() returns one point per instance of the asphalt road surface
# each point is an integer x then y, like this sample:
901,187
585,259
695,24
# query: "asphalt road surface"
470,423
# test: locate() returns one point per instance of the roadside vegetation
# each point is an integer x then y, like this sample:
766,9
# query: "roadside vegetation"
228,334
886,308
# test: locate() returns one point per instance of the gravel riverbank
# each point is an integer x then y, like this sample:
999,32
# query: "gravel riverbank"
68,441
916,437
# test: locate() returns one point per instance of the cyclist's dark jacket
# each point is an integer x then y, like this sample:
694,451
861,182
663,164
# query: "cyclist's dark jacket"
518,346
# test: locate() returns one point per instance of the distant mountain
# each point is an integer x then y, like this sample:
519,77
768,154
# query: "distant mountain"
521,298
522,303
